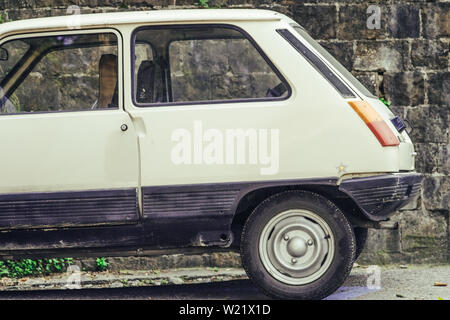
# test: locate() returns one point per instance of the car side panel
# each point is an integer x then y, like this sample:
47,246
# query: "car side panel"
318,131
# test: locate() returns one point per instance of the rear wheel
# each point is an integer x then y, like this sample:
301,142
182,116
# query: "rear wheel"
297,245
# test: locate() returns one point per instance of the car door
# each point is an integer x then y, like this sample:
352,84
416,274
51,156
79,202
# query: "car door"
194,85
68,150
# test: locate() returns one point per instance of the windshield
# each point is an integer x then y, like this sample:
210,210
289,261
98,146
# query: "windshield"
336,64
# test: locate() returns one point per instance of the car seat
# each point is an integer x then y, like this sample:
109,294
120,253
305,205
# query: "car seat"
108,95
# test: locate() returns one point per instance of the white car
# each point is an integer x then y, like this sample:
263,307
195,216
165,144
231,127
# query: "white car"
194,128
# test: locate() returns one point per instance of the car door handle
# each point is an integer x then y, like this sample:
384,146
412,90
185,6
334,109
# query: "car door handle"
124,127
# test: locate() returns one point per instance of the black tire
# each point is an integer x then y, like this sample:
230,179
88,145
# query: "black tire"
341,262
361,239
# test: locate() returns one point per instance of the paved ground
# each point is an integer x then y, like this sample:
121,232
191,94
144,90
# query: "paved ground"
396,282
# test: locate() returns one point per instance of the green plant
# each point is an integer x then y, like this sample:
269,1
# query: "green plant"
102,264
147,281
215,269
4,18
387,103
203,3
31,267
4,271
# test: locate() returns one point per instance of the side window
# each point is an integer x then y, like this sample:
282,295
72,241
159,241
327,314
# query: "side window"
315,61
203,63
62,73
143,53
15,50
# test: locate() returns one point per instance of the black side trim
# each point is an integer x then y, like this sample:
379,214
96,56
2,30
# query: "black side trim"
208,200
318,64
189,203
379,196
202,214
39,210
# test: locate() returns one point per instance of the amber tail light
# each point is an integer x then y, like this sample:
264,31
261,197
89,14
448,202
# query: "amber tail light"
375,123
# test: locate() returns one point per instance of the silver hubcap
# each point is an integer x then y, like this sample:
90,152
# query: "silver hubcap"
296,247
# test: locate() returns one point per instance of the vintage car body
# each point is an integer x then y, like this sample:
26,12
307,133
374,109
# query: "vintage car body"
108,178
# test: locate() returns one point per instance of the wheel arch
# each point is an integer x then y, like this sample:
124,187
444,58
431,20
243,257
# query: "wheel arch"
251,199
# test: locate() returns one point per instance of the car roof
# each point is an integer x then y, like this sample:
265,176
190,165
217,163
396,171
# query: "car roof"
135,17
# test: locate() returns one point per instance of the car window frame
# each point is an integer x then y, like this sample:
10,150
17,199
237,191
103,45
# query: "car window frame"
120,67
317,63
282,78
344,74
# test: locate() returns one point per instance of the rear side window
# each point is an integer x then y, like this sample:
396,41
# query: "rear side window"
202,63
60,73
318,64
336,64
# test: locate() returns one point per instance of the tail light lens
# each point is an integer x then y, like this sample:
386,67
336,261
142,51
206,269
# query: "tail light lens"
375,123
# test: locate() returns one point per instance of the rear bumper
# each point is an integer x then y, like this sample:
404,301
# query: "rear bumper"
378,197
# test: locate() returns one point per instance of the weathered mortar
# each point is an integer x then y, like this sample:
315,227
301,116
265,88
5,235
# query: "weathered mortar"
406,61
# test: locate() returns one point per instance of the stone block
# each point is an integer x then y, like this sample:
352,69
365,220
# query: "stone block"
424,235
147,3
404,21
430,124
432,158
20,14
436,192
170,261
17,4
319,21
353,23
439,89
435,20
404,88
422,223
342,51
44,3
391,56
382,240
430,54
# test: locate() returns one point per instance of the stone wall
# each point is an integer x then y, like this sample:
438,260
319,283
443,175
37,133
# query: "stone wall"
405,61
